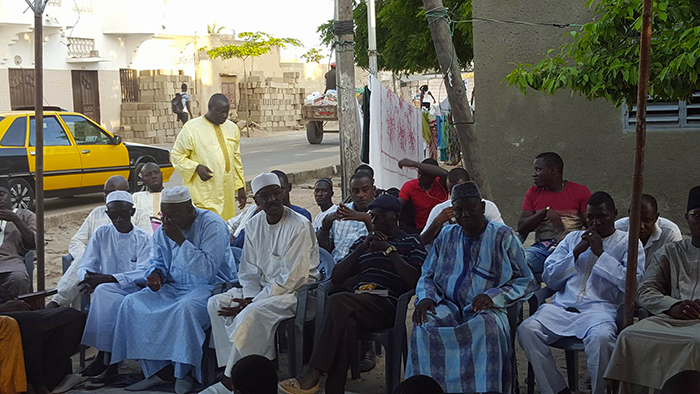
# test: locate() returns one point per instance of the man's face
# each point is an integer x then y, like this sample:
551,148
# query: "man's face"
183,213
120,213
271,200
384,221
693,218
114,187
362,192
286,193
218,113
601,219
542,174
152,176
323,193
469,213
649,218
425,180
5,198
450,185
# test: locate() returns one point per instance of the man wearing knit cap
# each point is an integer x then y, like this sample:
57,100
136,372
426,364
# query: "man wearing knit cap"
475,270
163,325
17,237
116,257
650,352
323,193
280,254
379,268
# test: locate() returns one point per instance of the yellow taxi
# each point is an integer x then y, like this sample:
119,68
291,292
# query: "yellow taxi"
79,155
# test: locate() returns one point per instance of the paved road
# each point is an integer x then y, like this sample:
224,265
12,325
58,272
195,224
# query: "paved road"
289,152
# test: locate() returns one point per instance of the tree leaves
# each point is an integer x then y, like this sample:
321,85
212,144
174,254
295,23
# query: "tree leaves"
602,60
254,44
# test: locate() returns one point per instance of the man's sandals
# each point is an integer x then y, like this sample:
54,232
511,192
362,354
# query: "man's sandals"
291,386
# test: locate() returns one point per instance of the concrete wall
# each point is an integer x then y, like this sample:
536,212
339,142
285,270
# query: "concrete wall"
513,128
4,90
58,89
110,99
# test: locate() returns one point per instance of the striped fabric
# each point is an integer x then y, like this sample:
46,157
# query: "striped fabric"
462,350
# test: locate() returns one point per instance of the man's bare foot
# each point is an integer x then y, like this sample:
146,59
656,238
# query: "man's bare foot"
309,378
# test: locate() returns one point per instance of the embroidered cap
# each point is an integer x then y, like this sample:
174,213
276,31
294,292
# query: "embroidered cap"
465,190
120,195
263,180
175,195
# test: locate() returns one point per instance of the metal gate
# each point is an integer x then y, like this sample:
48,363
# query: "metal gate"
86,94
21,88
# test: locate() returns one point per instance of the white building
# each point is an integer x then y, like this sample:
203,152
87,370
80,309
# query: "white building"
92,49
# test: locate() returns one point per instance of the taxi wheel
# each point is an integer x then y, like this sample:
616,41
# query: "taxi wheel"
22,194
135,182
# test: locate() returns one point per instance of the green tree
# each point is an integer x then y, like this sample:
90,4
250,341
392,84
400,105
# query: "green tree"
254,44
404,43
602,59
314,55
214,29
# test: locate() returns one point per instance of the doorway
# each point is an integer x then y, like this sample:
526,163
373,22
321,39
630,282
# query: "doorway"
86,94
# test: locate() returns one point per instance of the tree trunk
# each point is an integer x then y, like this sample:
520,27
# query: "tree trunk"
347,103
457,95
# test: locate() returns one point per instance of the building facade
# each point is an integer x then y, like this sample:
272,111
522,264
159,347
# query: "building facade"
595,139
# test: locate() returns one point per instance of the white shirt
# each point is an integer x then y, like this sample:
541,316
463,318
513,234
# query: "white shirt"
665,231
149,202
68,285
491,213
237,223
3,224
318,220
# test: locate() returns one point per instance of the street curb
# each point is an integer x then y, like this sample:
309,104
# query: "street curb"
80,214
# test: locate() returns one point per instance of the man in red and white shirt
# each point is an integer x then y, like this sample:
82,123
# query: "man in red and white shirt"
552,208
425,192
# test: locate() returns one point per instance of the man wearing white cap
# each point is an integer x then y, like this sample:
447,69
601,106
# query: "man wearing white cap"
68,285
163,326
116,257
280,254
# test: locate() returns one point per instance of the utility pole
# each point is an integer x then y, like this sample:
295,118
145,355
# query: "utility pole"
438,21
372,37
38,9
343,29
638,178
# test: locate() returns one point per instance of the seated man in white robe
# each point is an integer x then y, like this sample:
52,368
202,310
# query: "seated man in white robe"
588,271
650,353
163,325
149,200
654,231
280,254
68,285
116,257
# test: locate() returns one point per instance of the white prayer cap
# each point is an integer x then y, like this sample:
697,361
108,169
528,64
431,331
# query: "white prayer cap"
175,195
263,180
120,195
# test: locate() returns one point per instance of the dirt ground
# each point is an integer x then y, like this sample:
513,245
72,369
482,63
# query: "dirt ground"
57,240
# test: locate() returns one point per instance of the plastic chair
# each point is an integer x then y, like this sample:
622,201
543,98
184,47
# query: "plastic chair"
29,265
325,267
394,340
570,345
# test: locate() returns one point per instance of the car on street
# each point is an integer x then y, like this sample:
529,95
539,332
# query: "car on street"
79,155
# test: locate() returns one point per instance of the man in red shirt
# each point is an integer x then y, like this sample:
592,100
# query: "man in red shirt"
552,208
425,192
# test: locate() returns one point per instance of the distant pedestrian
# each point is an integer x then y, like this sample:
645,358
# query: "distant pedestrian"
330,78
424,100
184,116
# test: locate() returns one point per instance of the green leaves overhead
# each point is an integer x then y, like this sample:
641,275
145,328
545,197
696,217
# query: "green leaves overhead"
404,43
313,55
254,45
602,59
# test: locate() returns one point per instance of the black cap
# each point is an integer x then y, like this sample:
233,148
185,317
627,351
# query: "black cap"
694,198
386,202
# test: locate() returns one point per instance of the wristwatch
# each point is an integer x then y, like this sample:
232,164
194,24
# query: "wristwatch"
390,249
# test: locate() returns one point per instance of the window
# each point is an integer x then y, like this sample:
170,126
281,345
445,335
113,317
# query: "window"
129,80
16,134
54,135
667,115
84,132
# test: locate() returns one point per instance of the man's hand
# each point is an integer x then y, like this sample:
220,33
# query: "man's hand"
155,281
14,306
420,314
379,242
242,198
173,231
8,216
482,302
685,310
204,172
445,216
345,213
582,246
594,240
235,310
92,280
407,163
555,220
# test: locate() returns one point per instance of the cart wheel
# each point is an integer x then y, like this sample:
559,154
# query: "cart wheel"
314,132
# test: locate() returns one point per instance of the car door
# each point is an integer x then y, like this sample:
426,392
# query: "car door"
101,157
62,165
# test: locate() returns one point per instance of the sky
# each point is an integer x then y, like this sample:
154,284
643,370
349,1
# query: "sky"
280,18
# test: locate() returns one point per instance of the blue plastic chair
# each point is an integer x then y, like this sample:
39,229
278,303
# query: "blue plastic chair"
29,264
325,266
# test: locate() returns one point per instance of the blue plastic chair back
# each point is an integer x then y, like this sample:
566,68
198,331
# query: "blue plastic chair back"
325,266
237,254
66,262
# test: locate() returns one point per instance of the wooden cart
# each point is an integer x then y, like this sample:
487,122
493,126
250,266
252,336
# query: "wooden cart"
316,117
